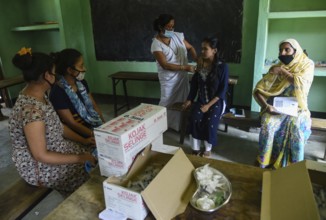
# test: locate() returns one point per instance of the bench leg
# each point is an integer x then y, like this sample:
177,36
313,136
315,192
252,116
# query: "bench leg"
226,128
183,125
2,117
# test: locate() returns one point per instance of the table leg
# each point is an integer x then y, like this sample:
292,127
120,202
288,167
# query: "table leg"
230,98
115,104
126,93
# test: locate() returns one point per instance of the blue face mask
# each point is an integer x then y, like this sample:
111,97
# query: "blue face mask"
168,33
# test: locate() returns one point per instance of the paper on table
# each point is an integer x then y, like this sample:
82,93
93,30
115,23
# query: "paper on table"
286,105
238,112
108,214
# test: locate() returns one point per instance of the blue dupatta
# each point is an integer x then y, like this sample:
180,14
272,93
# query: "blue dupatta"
85,109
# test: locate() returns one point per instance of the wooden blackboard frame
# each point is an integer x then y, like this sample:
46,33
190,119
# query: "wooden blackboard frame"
123,29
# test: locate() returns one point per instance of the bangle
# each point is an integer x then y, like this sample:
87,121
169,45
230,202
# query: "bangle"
182,68
265,108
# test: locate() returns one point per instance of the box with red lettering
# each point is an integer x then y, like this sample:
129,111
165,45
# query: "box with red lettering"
120,140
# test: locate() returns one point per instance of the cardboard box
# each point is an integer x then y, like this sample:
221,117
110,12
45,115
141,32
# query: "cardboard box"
121,139
166,196
288,193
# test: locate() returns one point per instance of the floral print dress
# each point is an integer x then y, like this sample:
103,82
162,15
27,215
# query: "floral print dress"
282,137
64,178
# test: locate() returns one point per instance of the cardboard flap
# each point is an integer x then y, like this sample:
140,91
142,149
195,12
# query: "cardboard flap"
287,194
169,193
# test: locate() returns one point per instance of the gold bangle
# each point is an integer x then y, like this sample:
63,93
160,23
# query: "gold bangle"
265,108
182,68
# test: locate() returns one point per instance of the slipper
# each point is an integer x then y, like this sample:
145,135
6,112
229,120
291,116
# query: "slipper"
207,154
195,152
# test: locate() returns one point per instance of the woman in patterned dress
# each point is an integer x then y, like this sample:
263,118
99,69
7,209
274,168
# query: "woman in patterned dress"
209,84
282,137
41,154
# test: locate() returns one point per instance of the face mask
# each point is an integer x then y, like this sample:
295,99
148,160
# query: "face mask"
80,76
286,59
168,34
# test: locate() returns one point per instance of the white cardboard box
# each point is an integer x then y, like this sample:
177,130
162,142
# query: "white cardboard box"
288,193
121,139
166,196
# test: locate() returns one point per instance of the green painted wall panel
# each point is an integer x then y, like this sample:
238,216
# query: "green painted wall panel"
74,18
104,68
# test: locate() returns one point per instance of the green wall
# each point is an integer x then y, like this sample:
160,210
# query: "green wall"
76,31
102,69
307,26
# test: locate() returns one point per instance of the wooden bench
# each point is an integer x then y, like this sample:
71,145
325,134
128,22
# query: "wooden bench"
251,119
125,76
19,199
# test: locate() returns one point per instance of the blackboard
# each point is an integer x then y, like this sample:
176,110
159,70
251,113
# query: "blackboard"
123,29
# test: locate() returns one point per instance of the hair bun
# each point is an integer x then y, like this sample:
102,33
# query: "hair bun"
23,58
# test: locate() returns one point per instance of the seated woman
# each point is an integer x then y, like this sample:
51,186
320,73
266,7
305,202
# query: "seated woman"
70,96
42,155
209,84
282,137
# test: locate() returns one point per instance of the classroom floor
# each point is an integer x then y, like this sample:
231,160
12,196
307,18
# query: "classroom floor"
236,146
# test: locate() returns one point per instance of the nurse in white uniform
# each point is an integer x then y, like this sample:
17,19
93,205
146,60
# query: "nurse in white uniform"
170,50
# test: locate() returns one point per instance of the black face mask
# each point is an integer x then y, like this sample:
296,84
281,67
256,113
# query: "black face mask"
51,84
286,59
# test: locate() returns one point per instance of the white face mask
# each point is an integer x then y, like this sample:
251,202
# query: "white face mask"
168,33
80,76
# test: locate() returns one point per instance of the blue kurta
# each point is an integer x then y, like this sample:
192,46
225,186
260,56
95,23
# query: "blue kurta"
203,126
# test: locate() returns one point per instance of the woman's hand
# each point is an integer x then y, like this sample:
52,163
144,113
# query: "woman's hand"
90,141
204,108
190,68
89,157
276,70
271,110
186,104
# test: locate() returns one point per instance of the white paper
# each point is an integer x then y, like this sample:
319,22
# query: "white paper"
286,105
108,214
238,112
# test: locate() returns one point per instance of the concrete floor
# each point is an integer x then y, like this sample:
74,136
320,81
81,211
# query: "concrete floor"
236,146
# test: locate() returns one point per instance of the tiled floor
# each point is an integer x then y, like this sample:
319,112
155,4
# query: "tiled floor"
235,145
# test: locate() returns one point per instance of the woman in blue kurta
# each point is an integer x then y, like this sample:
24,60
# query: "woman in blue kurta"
209,84
71,97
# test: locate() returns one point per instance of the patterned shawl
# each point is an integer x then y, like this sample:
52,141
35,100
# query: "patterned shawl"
85,109
302,69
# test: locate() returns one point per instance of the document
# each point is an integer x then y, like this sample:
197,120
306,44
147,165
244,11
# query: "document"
286,105
238,112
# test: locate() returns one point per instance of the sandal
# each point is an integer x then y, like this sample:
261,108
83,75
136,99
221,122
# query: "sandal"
195,152
207,154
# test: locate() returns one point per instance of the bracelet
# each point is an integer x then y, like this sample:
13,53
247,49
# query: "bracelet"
182,68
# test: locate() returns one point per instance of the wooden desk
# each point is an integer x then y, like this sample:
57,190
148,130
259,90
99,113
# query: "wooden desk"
88,201
147,76
4,84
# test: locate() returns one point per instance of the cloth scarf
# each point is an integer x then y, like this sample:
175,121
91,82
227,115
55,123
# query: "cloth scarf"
85,109
302,69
